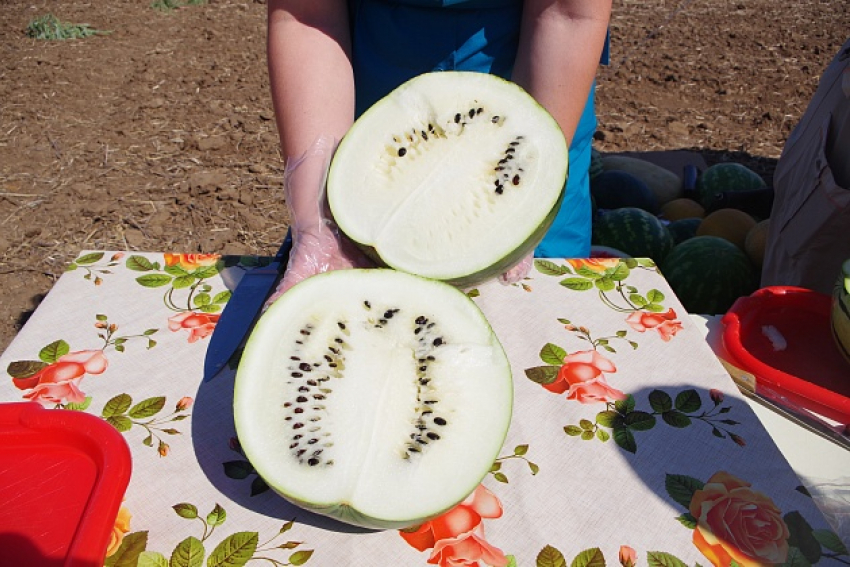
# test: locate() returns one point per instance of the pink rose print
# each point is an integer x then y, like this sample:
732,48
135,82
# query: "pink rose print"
191,262
665,323
60,382
736,523
581,376
457,537
199,325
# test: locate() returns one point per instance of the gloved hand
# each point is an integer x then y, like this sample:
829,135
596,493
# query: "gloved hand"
317,244
518,272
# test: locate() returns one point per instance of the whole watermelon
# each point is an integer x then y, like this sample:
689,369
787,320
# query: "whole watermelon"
729,176
636,232
708,274
684,229
617,189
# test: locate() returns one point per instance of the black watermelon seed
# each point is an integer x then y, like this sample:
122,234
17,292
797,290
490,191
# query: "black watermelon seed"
382,321
298,410
499,190
294,445
439,421
457,118
515,180
303,389
304,332
287,404
514,143
367,305
318,396
294,358
431,357
312,441
312,462
312,382
338,340
333,350
479,110
421,320
305,367
510,150
423,368
438,341
433,436
401,152
424,135
423,382
417,330
332,364
494,120
300,452
298,426
297,375
297,436
341,325
300,399
388,314
472,113
287,418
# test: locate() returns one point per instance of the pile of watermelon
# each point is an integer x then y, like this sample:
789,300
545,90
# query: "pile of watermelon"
710,253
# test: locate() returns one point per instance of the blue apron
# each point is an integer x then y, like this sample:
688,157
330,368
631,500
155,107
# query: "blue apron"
393,41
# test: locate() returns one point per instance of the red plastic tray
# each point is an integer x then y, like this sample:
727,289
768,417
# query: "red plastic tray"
62,478
809,371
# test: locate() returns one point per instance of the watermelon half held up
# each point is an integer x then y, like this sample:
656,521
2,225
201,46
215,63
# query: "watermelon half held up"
375,397
454,176
637,232
708,273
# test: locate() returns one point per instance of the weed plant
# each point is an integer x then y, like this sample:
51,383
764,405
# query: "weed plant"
168,5
49,27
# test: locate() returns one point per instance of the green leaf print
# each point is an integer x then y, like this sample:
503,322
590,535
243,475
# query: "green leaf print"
662,559
542,374
25,368
830,541
188,553
90,258
550,557
147,408
660,401
139,264
589,558
186,510
549,268
577,284
217,516
235,550
681,488
152,559
154,280
54,351
688,401
118,405
802,536
120,422
130,551
182,282
301,557
552,354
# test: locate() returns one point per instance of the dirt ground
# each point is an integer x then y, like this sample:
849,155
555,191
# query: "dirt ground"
159,135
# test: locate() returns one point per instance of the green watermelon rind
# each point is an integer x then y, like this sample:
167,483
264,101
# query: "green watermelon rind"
708,273
722,177
636,232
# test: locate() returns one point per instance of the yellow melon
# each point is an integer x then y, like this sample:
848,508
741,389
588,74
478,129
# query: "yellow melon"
729,224
756,242
682,208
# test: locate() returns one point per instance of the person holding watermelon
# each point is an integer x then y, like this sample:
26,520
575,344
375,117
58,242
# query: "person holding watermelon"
329,60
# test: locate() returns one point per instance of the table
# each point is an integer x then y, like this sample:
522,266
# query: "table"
629,442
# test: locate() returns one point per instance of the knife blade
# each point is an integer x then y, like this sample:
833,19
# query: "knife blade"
242,310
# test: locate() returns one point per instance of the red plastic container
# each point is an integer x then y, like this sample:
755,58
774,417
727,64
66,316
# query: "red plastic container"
62,478
809,371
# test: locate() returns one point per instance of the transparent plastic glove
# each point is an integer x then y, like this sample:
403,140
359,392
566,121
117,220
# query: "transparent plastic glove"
518,272
317,244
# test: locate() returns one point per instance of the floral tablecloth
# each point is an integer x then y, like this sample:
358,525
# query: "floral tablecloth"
629,444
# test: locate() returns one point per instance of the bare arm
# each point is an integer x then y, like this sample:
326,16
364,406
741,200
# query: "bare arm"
560,45
312,82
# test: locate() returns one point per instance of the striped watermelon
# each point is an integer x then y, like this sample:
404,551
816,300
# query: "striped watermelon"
708,274
636,232
840,315
722,177
684,229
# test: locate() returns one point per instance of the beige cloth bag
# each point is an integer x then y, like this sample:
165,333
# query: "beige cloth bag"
809,233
